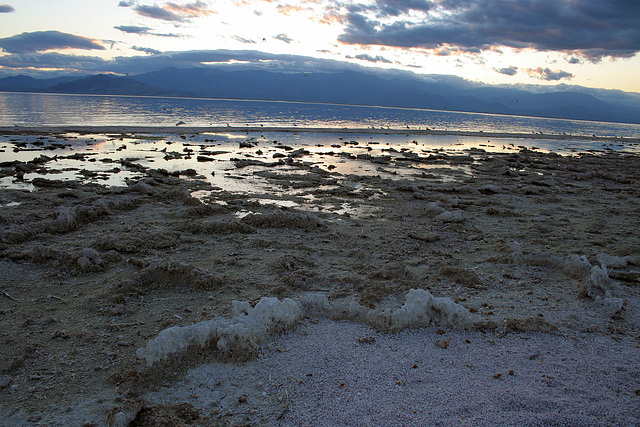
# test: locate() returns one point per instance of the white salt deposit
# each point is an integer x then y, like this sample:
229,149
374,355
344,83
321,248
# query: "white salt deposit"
239,337
611,261
598,285
236,338
421,309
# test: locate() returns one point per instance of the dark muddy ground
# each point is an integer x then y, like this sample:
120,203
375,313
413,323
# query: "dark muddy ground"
92,272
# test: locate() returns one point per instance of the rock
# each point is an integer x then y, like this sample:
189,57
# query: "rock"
490,189
425,237
543,259
5,380
392,271
595,285
626,276
443,343
463,276
433,209
608,307
633,259
85,264
450,216
611,261
530,324
576,266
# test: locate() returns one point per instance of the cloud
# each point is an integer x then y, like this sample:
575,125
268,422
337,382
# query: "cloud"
288,9
53,60
398,7
331,17
589,28
166,35
40,41
243,40
5,8
229,59
157,12
174,12
125,4
369,58
547,74
190,10
509,71
133,29
146,50
284,38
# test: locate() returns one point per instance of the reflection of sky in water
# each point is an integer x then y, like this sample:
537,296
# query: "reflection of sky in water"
335,153
27,109
331,152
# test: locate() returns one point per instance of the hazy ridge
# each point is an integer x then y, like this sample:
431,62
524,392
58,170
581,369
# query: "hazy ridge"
351,87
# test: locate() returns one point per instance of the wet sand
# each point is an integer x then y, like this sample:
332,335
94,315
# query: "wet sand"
93,272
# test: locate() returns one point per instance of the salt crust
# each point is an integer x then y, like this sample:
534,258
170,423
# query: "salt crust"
239,337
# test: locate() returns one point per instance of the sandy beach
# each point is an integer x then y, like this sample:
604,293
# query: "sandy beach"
381,283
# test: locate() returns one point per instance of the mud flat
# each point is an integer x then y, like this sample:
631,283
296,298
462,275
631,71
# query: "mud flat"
510,278
298,129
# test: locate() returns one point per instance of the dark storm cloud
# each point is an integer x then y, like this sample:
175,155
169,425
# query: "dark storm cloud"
548,74
5,8
370,58
398,7
133,29
40,41
146,50
589,28
509,71
242,59
52,60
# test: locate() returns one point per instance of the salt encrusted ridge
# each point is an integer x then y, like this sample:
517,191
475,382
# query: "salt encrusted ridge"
239,337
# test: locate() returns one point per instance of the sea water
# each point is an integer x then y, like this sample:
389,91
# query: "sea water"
29,109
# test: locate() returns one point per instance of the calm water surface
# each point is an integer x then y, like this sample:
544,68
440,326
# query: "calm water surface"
27,109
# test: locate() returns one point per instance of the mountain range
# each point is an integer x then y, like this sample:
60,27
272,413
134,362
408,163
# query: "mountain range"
352,87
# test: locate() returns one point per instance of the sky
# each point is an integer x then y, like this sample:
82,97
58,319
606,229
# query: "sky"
592,43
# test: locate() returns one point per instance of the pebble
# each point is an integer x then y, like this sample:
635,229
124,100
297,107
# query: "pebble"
5,380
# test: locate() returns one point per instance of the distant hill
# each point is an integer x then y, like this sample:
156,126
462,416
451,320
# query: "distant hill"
103,84
29,84
351,87
346,87
566,105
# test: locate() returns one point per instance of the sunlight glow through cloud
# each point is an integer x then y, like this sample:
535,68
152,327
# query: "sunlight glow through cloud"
588,42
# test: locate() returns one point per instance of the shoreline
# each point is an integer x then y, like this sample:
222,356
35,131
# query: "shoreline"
537,250
180,130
